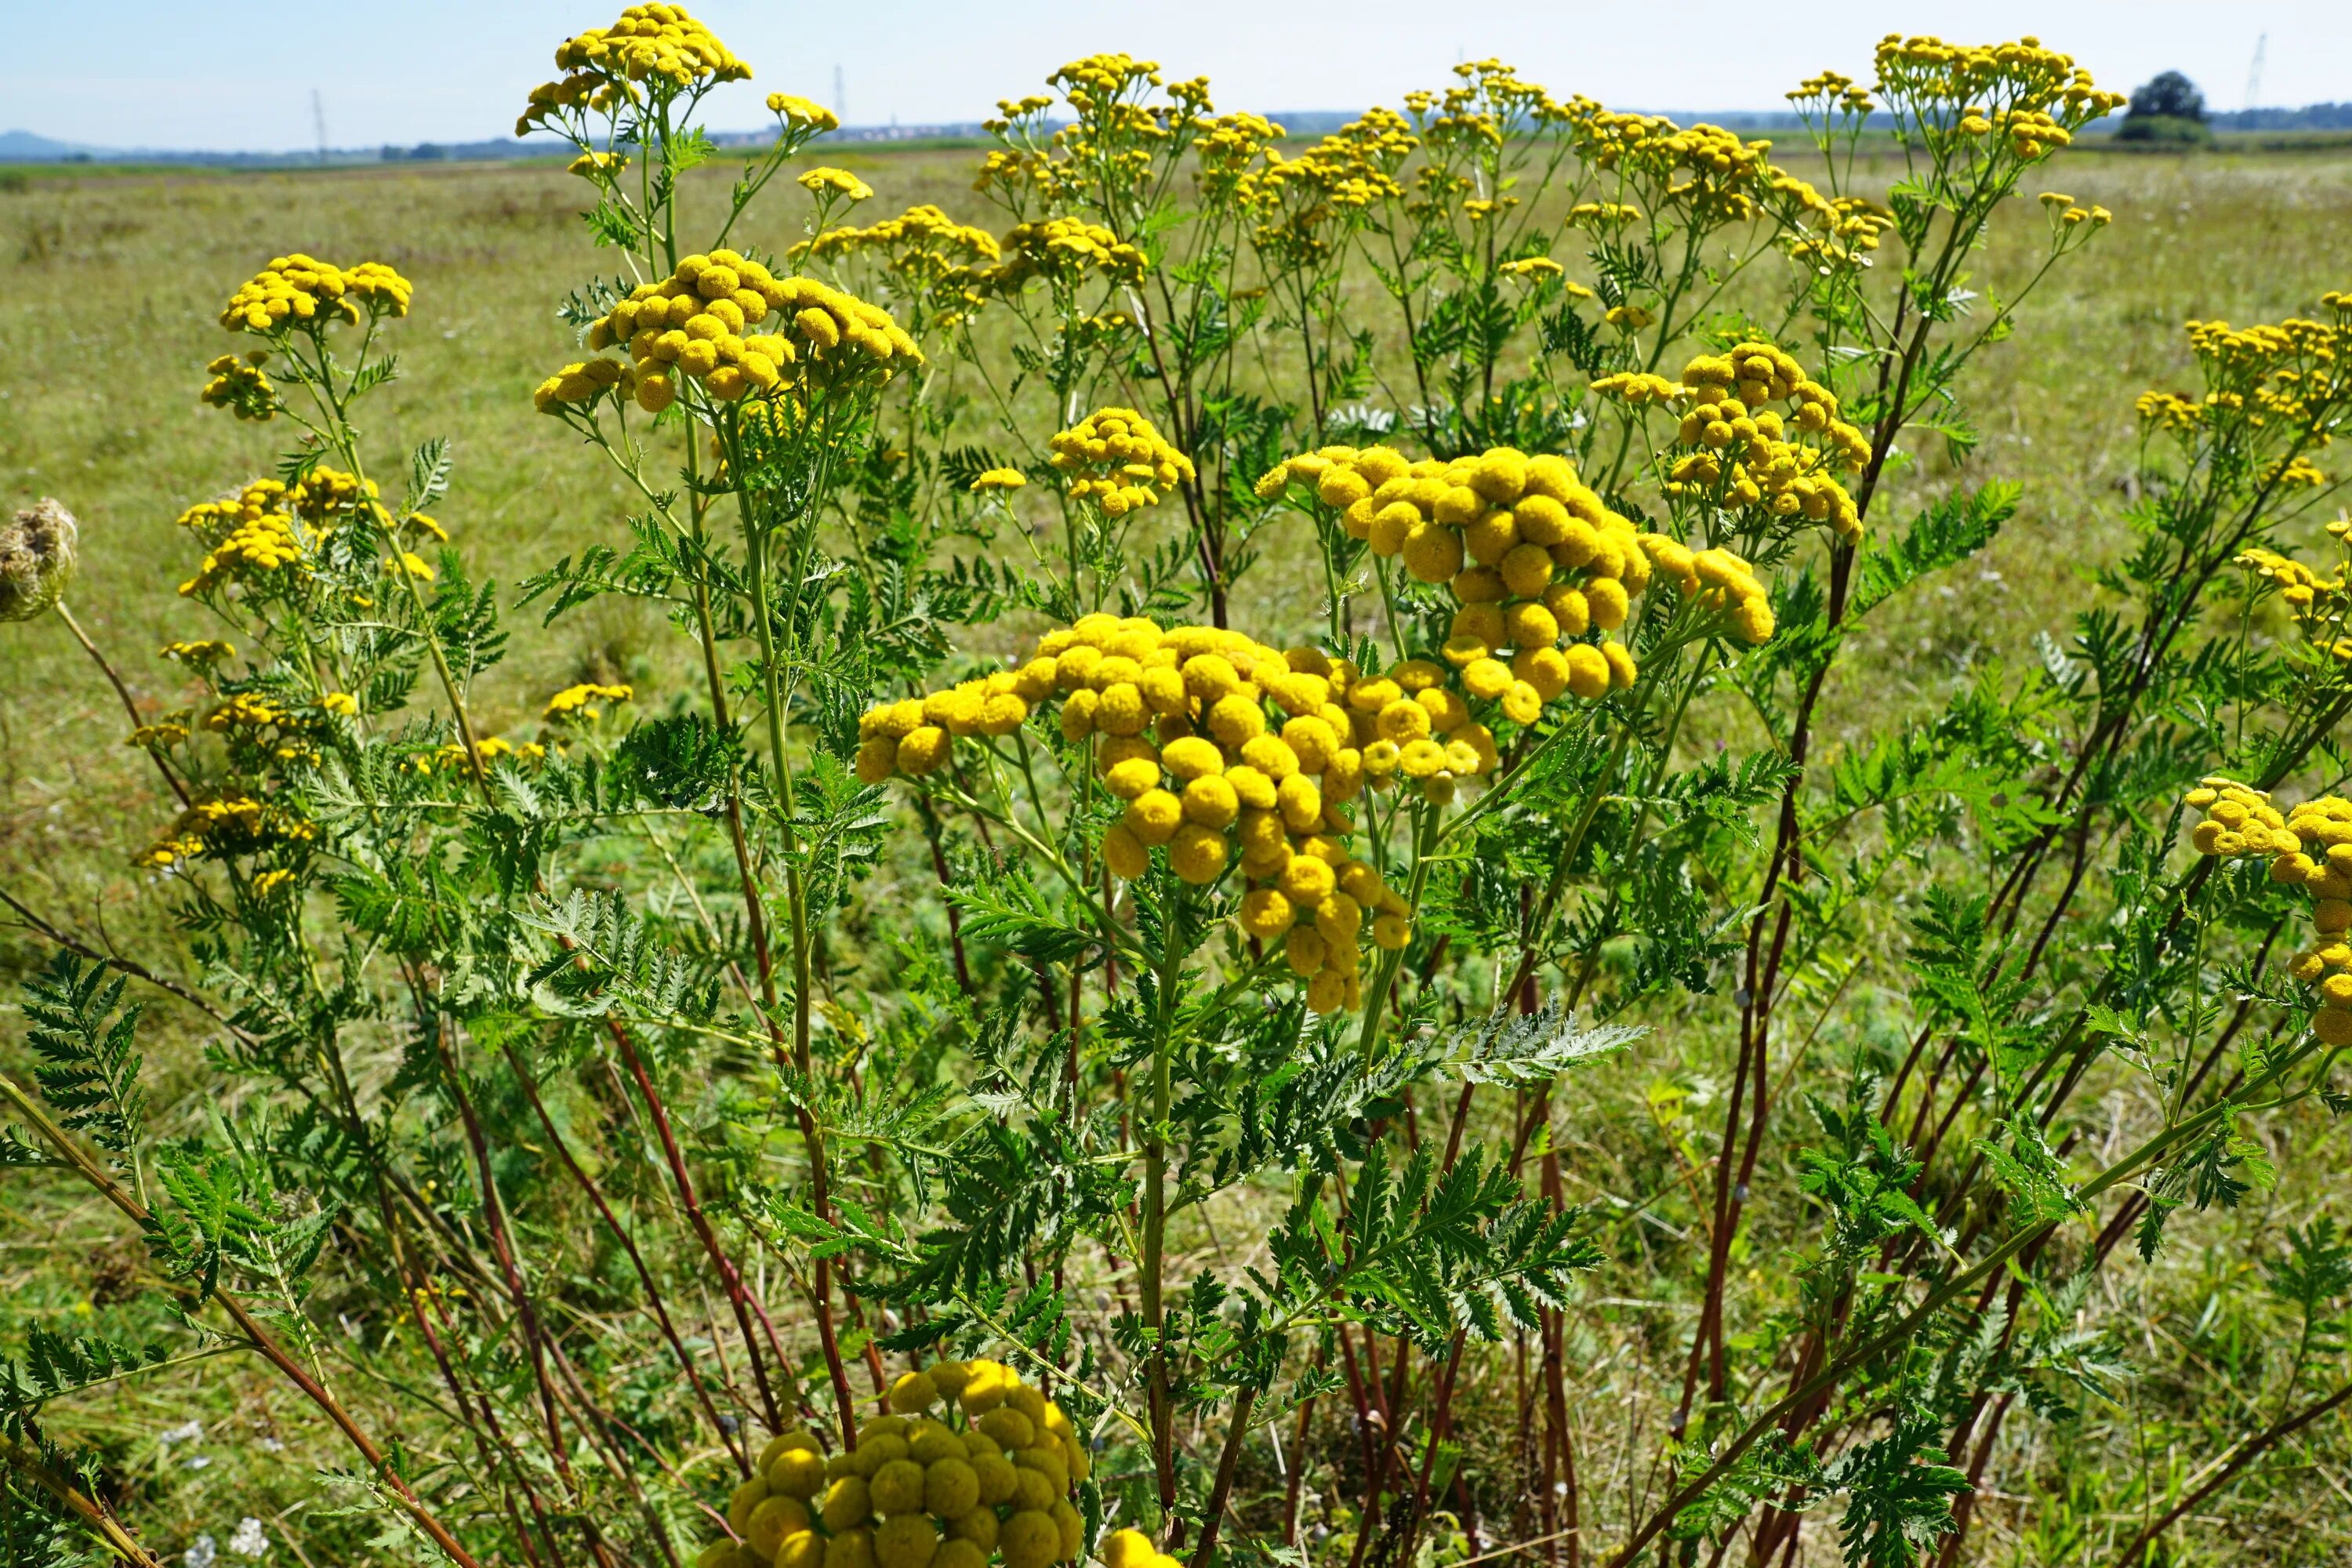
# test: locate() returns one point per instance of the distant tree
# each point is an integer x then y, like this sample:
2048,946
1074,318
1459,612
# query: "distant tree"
2171,96
2167,108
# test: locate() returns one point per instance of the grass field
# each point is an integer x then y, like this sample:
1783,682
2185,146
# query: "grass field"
108,286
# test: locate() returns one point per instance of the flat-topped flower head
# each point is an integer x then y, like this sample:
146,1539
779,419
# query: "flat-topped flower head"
971,1466
709,322
1540,568
1744,454
1235,762
298,289
1117,459
582,701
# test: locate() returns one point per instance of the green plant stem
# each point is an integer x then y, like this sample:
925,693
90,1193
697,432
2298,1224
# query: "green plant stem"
22,1459
1155,1193
811,1133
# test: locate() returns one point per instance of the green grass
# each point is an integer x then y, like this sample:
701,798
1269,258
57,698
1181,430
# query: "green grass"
109,282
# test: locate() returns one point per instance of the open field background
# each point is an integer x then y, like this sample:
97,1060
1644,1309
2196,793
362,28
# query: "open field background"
108,286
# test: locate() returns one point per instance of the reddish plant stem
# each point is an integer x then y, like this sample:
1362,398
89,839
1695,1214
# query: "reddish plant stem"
730,1276
2270,1437
510,1274
1295,1482
653,1301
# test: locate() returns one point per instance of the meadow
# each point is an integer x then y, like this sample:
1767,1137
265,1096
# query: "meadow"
111,288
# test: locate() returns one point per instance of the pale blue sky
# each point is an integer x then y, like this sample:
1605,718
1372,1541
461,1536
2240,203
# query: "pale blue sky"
238,74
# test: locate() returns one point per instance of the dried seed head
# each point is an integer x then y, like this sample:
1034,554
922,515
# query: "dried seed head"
37,556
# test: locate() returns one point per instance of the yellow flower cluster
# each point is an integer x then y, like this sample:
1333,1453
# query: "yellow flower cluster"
1116,459
1918,72
1721,582
1535,560
1182,733
919,230
2287,374
705,319
254,530
2310,848
990,1475
584,382
800,114
2168,410
300,287
250,533
2291,472
245,710
1829,89
1305,204
659,45
1601,215
442,759
1848,229
1745,454
225,824
930,259
1640,387
1486,107
590,166
580,701
999,480
241,386
840,182
1228,149
1064,251
2306,593
1098,79
2064,211
1705,170
202,654
244,716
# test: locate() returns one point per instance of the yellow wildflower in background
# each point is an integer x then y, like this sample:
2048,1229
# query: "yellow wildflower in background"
580,701
839,181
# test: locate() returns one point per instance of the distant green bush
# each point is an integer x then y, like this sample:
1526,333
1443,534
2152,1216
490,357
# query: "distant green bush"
2165,131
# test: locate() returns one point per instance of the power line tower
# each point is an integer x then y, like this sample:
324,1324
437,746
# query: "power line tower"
319,119
2254,71
840,97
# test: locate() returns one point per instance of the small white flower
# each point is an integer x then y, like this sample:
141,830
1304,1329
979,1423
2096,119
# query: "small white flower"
198,1461
201,1554
248,1540
186,1432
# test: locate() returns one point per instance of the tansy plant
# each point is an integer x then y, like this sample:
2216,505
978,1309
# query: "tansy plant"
1215,679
